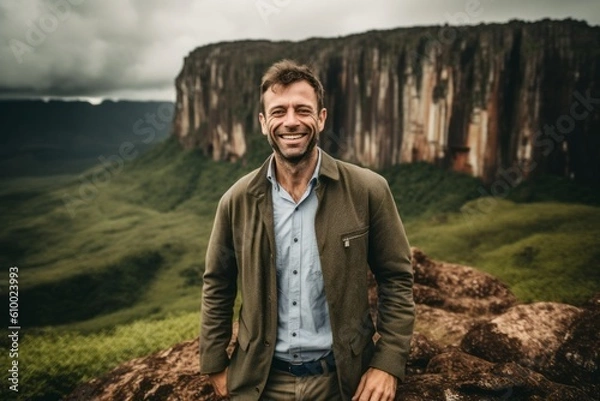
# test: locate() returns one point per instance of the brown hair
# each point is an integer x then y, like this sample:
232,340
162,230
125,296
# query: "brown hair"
287,72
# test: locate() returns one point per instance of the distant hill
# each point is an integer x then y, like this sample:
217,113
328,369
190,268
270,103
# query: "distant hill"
56,137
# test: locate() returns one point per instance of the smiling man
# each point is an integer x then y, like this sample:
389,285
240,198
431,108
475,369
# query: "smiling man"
298,236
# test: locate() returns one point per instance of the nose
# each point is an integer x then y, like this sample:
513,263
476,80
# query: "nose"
291,120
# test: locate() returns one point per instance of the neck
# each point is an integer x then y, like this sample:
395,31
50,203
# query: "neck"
294,177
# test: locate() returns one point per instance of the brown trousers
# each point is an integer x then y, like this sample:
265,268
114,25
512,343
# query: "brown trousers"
282,386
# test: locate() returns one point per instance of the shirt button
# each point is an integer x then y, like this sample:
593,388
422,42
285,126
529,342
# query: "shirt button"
295,239
295,355
293,334
294,303
295,272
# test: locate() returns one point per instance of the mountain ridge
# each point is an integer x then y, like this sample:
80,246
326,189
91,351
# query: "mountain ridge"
64,137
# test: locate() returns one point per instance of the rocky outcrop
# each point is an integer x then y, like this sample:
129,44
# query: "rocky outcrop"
455,375
457,288
577,359
496,101
473,342
527,334
168,375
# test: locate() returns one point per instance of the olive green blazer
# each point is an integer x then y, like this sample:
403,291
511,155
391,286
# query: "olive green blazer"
357,227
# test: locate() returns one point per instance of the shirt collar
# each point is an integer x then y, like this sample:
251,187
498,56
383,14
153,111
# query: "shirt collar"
271,171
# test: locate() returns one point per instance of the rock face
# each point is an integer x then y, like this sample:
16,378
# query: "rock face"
168,375
472,343
527,334
495,101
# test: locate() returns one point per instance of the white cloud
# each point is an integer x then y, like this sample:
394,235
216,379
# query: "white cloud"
135,48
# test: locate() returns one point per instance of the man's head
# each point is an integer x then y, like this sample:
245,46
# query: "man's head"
287,72
292,113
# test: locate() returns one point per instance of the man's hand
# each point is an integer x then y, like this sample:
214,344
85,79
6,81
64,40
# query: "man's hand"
219,382
376,385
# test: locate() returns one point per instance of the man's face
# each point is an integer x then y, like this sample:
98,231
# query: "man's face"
291,120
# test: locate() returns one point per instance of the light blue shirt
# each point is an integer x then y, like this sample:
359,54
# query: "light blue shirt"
303,329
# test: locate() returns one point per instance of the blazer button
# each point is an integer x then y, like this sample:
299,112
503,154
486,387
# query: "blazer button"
267,344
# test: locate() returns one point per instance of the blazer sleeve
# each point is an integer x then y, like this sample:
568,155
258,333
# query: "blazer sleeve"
218,292
390,262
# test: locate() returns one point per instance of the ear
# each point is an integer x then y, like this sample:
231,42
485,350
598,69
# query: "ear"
263,124
321,119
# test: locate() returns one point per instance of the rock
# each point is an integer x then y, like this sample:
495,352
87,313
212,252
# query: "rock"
455,375
526,334
443,327
470,98
165,376
421,351
170,375
451,299
457,288
577,359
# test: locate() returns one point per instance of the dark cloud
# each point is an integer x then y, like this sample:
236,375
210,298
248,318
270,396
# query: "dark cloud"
135,48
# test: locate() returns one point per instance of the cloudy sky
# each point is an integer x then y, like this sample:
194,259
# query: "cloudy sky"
133,49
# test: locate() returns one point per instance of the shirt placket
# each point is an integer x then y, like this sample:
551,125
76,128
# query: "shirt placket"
295,274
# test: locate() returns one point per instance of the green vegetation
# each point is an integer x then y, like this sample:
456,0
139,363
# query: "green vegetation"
424,191
111,260
128,250
543,251
53,362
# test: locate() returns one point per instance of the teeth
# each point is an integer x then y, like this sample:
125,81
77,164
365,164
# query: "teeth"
294,136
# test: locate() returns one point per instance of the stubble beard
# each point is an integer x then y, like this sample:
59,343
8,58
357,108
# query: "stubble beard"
294,160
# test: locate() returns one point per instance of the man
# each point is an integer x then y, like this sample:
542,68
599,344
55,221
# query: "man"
297,236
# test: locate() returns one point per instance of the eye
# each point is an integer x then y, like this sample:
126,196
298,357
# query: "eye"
277,113
304,111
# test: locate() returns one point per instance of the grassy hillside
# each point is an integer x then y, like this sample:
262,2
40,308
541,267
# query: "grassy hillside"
54,362
131,246
544,251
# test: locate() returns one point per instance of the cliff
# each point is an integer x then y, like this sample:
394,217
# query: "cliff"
472,342
478,99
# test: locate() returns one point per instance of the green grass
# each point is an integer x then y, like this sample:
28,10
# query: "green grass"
543,251
422,190
52,363
133,249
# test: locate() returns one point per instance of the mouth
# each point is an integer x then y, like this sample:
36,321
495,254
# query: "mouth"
293,136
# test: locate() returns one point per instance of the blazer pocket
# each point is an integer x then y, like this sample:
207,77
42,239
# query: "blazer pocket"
348,238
